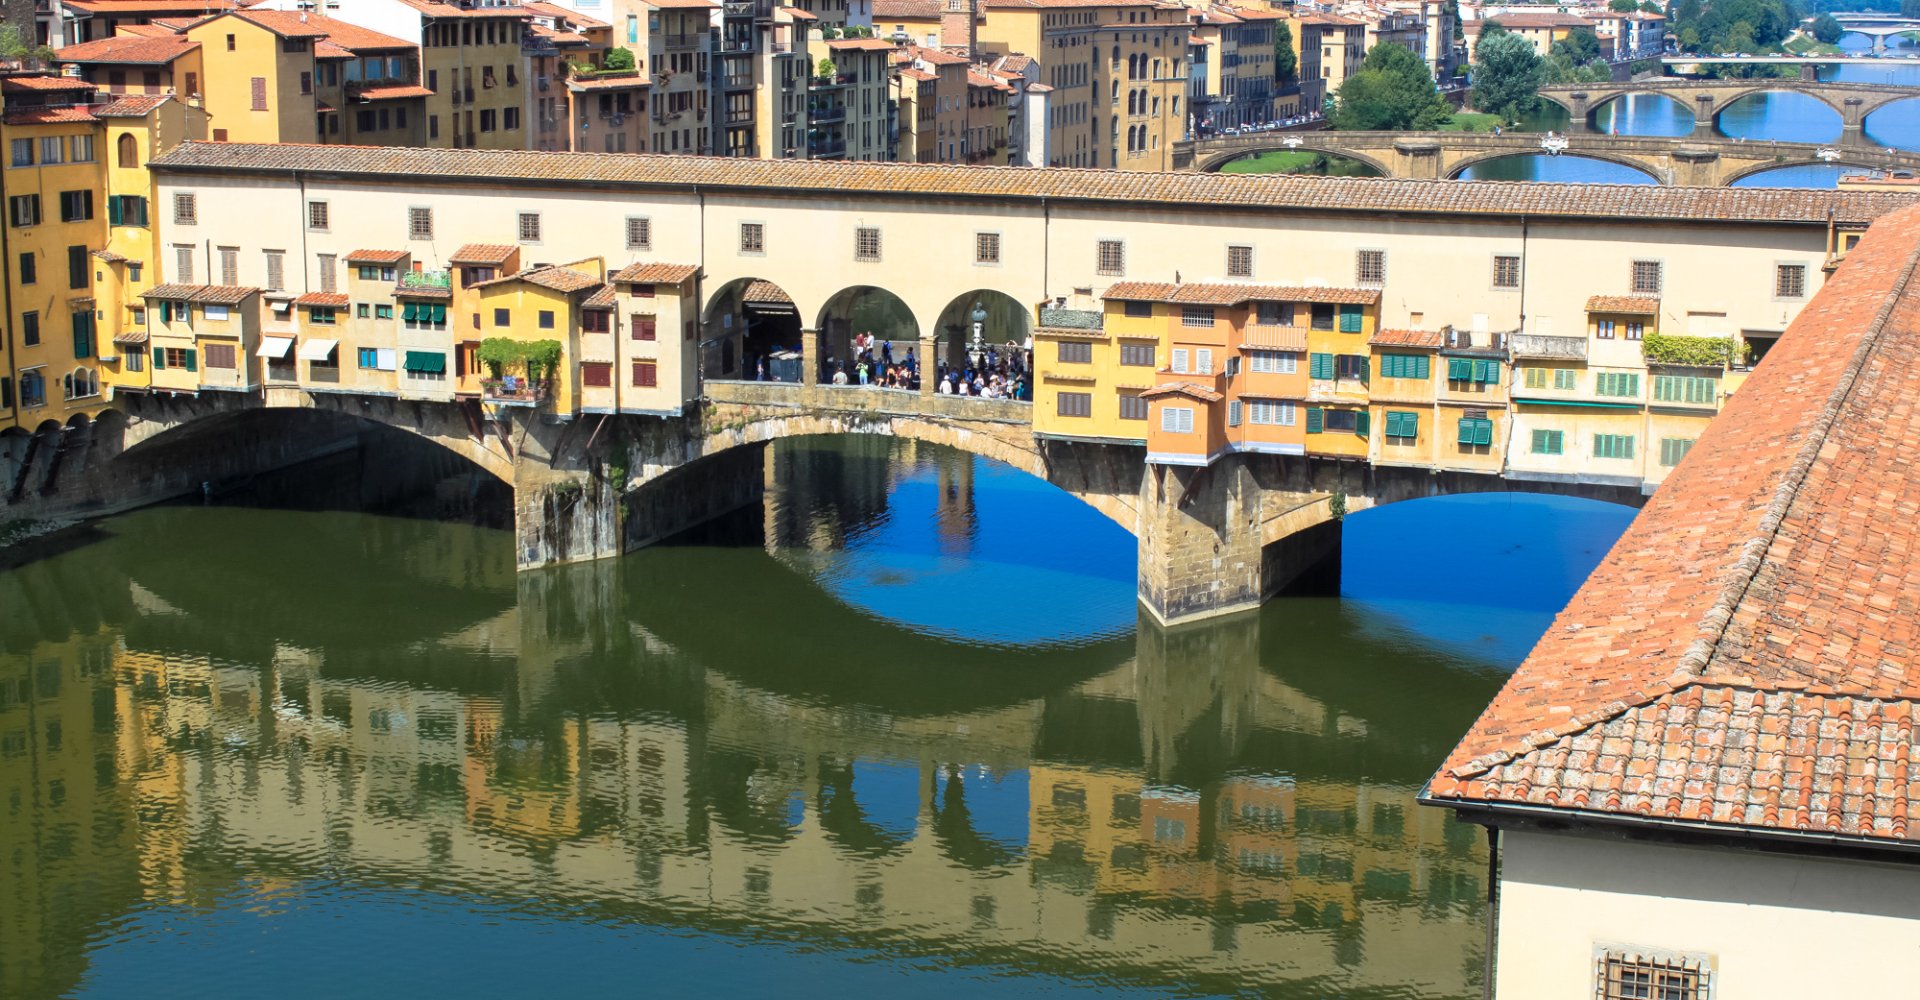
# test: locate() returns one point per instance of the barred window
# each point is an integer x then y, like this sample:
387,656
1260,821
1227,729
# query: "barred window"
1790,281
1133,408
639,232
1200,316
317,215
753,237
986,248
420,223
186,210
1646,277
866,243
1239,262
1506,271
529,227
1111,258
1137,354
1076,352
1370,266
1631,976
1076,404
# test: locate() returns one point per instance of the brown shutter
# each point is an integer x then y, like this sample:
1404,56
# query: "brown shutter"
259,93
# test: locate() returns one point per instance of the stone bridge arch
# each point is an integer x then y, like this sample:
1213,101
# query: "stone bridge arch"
1637,164
1276,143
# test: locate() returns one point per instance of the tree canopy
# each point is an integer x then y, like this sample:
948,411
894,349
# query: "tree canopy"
1286,64
1623,6
1393,91
1827,29
1576,59
618,59
1507,73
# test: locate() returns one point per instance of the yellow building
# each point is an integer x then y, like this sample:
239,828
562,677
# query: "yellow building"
543,306
203,337
1090,369
1406,421
1340,368
475,68
260,75
1329,48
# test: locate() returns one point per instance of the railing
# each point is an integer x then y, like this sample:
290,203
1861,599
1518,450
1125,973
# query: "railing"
740,82
512,391
822,116
1530,345
736,45
686,41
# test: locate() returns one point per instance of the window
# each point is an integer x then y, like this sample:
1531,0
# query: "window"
1264,411
1350,421
1646,277
1789,281
1202,361
276,269
986,248
503,317
126,210
363,311
1235,410
1402,424
1613,446
1672,450
596,374
1635,330
29,270
322,315
127,151
80,147
1140,355
76,206
23,210
186,209
183,263
1351,366
639,232
529,227
29,329
316,216
1133,408
52,150
82,333
1616,383
369,358
1075,404
1110,258
259,93
22,153
1638,976
1076,352
219,355
1535,378
78,270
1370,266
134,360
1565,378
1547,442
1476,431
1176,419
175,357
1472,370
1506,271
1138,310
645,374
229,265
1405,366
1684,389
329,267
753,237
1273,362
546,319
1239,261
1196,316
1320,366
642,325
596,321
420,223
1603,329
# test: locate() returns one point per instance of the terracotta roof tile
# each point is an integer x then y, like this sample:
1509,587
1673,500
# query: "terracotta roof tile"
560,279
655,274
911,10
50,116
151,51
333,299
1632,305
1232,294
602,298
406,291
43,83
229,295
130,105
495,254
1746,654
1406,338
285,23
860,45
765,292
395,92
1183,389
135,8
377,256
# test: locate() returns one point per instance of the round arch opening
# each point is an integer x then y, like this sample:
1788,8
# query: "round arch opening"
1003,321
865,325
750,329
1309,162
1642,113
1543,167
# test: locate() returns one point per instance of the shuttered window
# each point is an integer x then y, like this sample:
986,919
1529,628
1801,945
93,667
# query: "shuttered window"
1316,420
1076,352
1273,362
1672,450
1405,366
1350,319
1320,366
1616,384
276,269
1565,378
1137,354
1179,366
642,326
1613,446
1234,409
1402,424
1075,404
596,374
1133,408
1262,411
1690,389
1476,431
1536,378
1547,442
645,374
259,93
1176,419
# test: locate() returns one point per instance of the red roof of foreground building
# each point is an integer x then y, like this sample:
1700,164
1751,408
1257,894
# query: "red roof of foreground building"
154,50
1748,655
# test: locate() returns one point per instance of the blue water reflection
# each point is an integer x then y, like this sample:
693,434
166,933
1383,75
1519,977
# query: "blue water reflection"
1644,114
1564,168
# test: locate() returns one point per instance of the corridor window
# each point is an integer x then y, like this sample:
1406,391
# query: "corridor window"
1137,355
1239,261
1075,404
1647,277
1176,419
1790,281
1111,258
986,248
318,215
1196,316
1638,976
1370,267
1506,271
753,237
420,223
639,232
1076,352
866,243
529,227
186,209
1133,408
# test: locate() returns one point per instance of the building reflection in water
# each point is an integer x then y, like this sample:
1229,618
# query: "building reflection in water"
1209,808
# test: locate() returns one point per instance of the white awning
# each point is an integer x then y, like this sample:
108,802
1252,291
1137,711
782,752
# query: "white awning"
317,350
274,347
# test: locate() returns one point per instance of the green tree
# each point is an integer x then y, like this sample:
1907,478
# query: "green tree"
1827,29
618,59
1623,6
825,69
1393,91
1507,74
1286,63
1648,6
1580,46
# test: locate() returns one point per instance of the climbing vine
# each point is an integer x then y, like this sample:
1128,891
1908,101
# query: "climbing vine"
537,358
1698,352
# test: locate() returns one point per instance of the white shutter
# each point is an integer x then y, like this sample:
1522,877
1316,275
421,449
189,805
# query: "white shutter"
1180,360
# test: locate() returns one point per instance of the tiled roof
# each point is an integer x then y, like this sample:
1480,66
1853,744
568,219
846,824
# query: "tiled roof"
1554,20
1015,63
230,295
134,8
935,57
50,116
560,279
655,274
572,17
377,256
804,15
482,253
130,105
910,10
153,51
765,292
602,298
1406,338
43,83
395,92
1248,192
1183,389
109,256
333,299
860,45
1748,654
404,290
919,75
353,37
128,338
632,82
1631,305
434,8
285,23
1228,294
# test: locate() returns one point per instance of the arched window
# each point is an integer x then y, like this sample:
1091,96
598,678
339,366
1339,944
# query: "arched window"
1116,91
129,150
1114,136
1156,107
1116,58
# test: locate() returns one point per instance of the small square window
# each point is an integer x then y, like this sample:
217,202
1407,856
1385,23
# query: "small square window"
1506,271
753,237
317,215
503,317
529,227
1111,258
1631,975
986,248
1370,266
1647,277
866,243
1239,262
639,232
1790,281
186,210
420,223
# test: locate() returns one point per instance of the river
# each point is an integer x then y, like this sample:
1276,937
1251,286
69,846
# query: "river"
1782,117
899,730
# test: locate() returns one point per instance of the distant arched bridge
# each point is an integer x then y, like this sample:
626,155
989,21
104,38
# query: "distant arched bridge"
1708,98
1687,162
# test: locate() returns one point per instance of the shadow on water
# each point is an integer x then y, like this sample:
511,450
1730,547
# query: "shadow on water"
335,748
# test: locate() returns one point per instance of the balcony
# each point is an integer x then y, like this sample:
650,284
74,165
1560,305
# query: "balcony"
827,150
827,116
512,391
426,279
1530,345
739,82
742,45
1273,337
686,41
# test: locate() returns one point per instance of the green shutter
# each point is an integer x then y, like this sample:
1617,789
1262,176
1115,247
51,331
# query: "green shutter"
439,314
159,358
1362,424
1564,378
1483,432
1320,366
114,215
410,312
1459,370
193,360
1486,371
1422,366
1316,420
1349,319
1632,381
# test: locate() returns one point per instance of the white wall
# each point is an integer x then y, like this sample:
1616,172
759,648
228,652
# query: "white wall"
1778,926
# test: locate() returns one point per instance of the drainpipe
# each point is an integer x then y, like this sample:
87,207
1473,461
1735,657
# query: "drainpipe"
1046,248
1491,961
6,326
